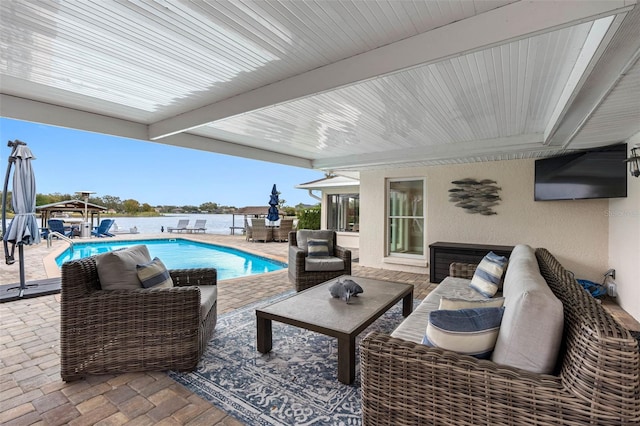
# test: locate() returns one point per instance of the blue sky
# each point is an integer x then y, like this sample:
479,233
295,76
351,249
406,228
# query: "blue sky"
68,161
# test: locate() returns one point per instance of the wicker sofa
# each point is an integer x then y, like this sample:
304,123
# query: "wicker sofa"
596,380
117,331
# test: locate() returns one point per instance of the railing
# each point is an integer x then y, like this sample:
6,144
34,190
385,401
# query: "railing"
59,235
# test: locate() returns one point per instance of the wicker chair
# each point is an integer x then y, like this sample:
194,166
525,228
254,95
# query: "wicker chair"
118,331
260,231
598,379
282,232
303,279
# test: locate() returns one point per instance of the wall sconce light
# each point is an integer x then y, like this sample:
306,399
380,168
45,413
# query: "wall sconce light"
634,162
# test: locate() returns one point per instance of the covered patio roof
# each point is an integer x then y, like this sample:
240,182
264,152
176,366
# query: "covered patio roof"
333,85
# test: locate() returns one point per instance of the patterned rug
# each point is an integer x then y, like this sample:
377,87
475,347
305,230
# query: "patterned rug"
295,384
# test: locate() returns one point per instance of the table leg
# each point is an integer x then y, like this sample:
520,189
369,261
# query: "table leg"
264,335
347,359
407,304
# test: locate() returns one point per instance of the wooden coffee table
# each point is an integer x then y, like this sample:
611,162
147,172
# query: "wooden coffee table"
314,309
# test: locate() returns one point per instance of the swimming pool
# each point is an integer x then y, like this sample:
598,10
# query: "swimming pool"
177,253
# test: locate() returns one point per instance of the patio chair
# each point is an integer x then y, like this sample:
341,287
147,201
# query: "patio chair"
57,225
311,267
200,226
182,226
132,330
260,231
281,233
248,230
102,230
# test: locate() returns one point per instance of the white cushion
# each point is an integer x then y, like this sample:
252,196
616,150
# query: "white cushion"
208,298
533,322
465,331
412,328
117,269
327,263
450,303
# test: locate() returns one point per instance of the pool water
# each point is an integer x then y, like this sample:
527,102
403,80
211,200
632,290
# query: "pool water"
177,253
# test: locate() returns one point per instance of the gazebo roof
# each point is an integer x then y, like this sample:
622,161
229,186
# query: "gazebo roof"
253,210
70,205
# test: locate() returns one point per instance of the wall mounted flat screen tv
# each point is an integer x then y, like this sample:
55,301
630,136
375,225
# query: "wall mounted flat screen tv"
593,173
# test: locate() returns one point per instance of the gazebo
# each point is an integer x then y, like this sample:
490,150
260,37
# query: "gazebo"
49,211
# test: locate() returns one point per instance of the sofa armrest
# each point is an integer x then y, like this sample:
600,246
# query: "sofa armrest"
345,255
408,383
195,276
462,270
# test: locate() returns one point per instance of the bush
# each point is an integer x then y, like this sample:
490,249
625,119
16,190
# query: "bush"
309,218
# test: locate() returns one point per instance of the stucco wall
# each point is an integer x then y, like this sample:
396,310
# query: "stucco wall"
624,246
576,232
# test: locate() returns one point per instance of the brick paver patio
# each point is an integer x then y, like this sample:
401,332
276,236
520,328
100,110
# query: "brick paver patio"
31,391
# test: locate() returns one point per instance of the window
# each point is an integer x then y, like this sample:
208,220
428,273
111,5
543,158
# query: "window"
406,207
343,212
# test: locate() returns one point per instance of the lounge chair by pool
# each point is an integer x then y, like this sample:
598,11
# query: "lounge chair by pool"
182,226
102,230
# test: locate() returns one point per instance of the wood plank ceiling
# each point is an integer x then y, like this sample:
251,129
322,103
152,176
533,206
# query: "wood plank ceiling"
333,85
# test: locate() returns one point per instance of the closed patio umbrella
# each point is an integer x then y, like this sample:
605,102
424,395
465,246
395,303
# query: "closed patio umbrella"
23,229
272,215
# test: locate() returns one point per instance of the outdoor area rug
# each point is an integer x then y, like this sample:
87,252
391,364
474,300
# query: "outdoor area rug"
295,384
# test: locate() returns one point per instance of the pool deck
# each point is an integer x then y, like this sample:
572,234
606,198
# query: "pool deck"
31,391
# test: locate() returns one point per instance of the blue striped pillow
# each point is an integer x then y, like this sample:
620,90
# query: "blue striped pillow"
154,274
486,279
465,331
318,248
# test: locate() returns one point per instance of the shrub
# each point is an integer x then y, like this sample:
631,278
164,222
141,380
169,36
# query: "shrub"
309,218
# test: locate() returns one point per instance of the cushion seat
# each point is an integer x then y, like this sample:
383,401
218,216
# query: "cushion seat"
323,263
208,298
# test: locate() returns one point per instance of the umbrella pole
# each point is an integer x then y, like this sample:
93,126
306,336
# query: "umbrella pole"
8,258
23,283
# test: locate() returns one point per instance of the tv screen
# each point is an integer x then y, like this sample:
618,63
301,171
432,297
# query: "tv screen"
594,173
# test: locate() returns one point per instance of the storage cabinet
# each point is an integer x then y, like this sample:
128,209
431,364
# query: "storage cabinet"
442,254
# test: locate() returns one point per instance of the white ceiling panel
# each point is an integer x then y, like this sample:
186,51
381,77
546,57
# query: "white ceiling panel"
331,84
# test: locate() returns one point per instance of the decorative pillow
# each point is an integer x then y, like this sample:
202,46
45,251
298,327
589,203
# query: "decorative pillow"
486,279
318,248
154,274
465,331
451,303
117,269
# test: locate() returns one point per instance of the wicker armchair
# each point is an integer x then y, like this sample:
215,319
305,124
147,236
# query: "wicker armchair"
598,380
282,232
117,331
303,279
260,231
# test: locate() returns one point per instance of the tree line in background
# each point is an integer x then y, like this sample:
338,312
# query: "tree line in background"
134,207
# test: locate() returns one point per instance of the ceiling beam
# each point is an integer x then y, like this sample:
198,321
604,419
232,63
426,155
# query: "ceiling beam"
54,115
455,151
498,26
188,140
604,76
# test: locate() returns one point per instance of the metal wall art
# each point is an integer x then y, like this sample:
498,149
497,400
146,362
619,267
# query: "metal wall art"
475,196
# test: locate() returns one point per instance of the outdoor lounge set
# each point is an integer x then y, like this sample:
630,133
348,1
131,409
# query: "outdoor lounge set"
548,353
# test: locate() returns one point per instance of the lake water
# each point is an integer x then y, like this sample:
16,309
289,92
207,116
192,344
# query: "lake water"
216,223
